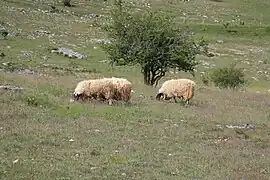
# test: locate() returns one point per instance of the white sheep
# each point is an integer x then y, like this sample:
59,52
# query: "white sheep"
103,89
123,88
94,88
181,88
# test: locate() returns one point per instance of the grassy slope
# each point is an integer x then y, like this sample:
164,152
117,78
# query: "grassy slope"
149,139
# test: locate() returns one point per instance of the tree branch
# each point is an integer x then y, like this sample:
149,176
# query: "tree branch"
157,78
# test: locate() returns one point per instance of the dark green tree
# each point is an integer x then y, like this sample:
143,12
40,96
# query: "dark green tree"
152,40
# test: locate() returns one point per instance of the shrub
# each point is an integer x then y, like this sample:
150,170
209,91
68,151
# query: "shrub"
228,77
205,79
152,40
40,100
67,3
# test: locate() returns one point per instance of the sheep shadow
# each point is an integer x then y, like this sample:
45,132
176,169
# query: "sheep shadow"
182,103
106,102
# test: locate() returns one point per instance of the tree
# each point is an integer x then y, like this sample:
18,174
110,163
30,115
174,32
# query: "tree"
152,40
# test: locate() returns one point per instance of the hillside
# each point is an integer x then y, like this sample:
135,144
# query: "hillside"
44,136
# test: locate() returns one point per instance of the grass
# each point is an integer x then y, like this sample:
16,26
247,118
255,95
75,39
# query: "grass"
44,136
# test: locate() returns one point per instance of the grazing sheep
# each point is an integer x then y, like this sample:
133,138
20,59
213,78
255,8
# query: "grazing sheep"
103,89
181,88
94,88
123,88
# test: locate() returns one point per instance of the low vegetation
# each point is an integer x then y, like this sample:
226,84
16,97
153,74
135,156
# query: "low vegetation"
228,77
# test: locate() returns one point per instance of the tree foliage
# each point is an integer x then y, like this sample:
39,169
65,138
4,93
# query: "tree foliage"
152,40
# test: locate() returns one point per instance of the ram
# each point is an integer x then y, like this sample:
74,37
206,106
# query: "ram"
180,88
103,89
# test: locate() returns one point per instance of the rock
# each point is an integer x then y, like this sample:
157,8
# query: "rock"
244,126
100,41
69,53
3,31
2,55
91,16
27,53
10,87
219,41
25,71
42,32
237,52
7,63
210,54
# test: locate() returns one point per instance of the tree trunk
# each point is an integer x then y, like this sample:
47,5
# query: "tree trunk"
152,76
146,75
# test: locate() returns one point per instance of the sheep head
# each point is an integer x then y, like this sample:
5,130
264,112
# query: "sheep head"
159,95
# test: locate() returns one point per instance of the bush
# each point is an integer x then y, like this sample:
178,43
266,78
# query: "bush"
152,40
67,3
228,77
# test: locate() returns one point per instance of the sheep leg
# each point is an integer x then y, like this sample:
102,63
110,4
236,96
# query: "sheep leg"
174,99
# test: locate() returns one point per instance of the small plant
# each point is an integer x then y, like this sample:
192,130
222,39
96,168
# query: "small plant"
2,55
3,33
226,25
228,77
266,61
41,101
67,3
32,101
205,79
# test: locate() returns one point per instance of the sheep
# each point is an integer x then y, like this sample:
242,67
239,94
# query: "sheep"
94,88
123,88
181,88
103,89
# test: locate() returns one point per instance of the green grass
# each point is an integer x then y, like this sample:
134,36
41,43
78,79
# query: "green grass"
51,138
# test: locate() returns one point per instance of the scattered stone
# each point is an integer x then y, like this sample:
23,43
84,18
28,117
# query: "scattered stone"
15,161
6,63
92,168
42,32
25,71
219,41
210,54
69,53
255,79
2,55
207,65
3,32
105,41
68,69
91,16
237,52
10,87
244,126
27,53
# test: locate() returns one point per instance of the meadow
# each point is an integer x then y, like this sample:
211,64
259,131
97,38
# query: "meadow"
44,136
